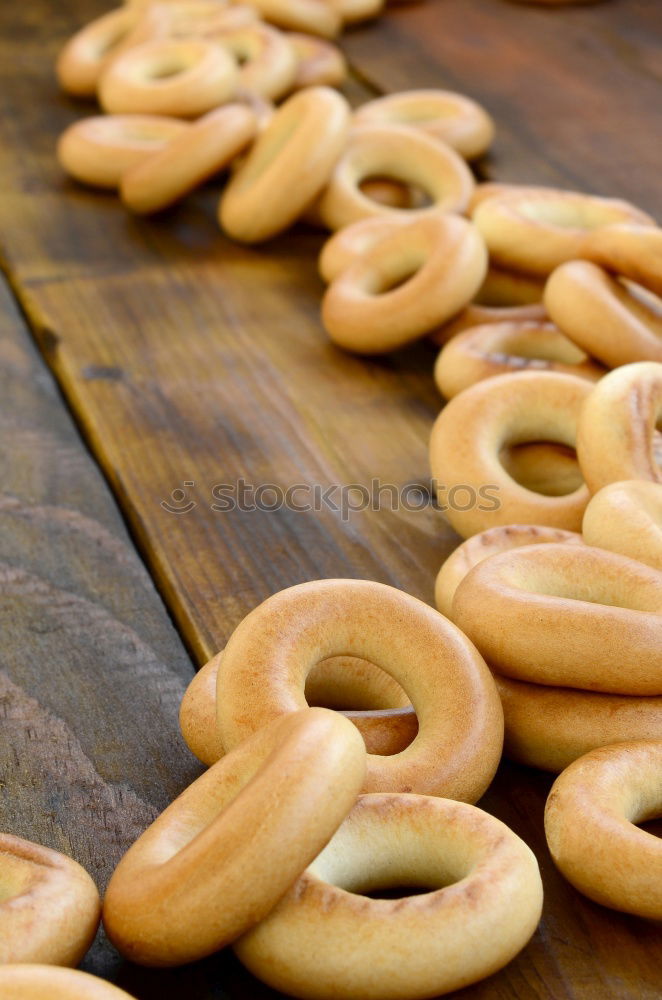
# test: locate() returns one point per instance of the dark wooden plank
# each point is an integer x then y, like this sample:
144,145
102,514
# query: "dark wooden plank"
189,360
575,91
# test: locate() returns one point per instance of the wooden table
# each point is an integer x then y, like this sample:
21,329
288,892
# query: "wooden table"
184,362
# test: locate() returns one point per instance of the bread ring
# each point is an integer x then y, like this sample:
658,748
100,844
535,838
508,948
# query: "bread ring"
615,321
99,150
615,436
269,654
205,147
319,62
453,118
473,487
627,518
380,708
589,824
549,727
287,167
49,905
490,543
535,229
268,63
630,250
315,17
81,61
224,852
551,469
403,154
535,613
497,348
351,242
169,77
355,11
436,264
326,940
34,982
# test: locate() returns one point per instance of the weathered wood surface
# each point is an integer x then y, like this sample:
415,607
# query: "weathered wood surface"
189,360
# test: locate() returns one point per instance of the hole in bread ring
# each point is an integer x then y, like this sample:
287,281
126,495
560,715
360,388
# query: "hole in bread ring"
471,432
34,982
535,613
442,114
49,905
224,852
367,696
326,939
549,727
590,826
185,78
269,655
402,154
407,283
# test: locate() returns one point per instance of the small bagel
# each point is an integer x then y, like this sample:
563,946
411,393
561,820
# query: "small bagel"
400,153
186,78
49,905
328,940
267,60
590,827
380,708
630,250
350,243
549,727
436,264
615,437
315,17
34,982
627,518
474,428
225,851
84,57
453,118
99,150
489,543
204,148
270,653
319,62
612,320
497,348
535,229
287,167
536,613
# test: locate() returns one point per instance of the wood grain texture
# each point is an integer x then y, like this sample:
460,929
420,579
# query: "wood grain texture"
187,359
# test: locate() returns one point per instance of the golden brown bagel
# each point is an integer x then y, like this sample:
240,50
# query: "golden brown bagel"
590,826
615,435
225,851
535,613
268,656
549,727
49,905
474,489
326,940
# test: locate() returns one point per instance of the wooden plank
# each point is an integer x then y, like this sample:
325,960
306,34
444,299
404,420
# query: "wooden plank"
575,91
190,360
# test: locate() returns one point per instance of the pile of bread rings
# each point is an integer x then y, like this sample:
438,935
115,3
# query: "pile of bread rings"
547,306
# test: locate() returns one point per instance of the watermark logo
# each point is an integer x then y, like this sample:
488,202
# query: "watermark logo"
344,499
